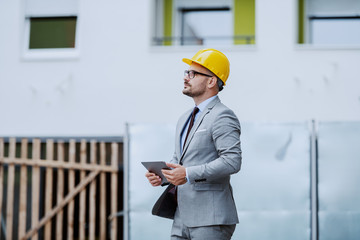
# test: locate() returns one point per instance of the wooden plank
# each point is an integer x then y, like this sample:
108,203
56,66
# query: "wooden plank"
72,152
56,164
92,194
60,191
10,191
49,186
35,185
114,188
82,198
103,219
1,177
60,205
23,189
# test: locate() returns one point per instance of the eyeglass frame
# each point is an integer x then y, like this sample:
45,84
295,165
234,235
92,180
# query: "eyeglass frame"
187,74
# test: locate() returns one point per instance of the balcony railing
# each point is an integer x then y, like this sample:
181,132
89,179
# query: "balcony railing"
225,40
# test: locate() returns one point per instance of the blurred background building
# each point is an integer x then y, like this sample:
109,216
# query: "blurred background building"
111,71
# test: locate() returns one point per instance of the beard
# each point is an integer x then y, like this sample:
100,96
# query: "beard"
188,91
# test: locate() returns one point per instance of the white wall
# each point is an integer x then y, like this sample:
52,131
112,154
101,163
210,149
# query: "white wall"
118,77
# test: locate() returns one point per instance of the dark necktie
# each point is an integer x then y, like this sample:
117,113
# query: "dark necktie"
195,111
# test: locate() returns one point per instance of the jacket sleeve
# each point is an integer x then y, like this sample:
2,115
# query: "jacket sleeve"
226,138
174,159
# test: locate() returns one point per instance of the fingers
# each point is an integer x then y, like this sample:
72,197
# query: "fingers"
153,179
167,174
173,165
174,179
175,176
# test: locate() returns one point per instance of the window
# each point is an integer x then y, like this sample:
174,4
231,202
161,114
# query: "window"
197,30
200,22
50,29
335,30
329,22
52,32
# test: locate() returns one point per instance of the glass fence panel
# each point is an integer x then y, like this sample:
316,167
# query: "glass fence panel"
272,191
339,178
147,142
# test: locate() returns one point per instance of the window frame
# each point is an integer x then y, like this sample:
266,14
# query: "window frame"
157,36
303,39
311,25
49,53
181,18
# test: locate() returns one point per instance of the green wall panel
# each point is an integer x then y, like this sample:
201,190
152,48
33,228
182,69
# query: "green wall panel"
244,21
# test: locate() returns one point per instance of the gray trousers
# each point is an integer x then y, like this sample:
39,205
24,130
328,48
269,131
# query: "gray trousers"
215,232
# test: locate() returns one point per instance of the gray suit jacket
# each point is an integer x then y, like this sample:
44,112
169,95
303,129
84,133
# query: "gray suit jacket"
211,154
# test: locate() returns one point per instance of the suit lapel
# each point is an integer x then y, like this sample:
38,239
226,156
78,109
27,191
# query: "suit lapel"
197,124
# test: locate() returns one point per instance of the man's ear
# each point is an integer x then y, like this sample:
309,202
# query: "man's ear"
212,82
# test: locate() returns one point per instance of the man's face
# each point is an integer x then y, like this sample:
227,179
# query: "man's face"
196,86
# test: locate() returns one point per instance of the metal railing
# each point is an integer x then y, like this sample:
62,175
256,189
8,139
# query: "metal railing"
182,40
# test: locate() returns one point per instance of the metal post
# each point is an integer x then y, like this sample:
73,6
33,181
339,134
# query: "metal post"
314,181
126,182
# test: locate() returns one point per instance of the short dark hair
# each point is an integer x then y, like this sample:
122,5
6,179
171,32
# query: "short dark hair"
220,84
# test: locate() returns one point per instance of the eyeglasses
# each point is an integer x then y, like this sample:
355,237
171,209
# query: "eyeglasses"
191,74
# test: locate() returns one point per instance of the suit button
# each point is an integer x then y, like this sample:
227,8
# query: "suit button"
200,180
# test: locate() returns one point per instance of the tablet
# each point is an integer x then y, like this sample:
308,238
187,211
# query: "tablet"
155,167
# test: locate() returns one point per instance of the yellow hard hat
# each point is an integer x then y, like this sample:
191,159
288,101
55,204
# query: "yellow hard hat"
213,60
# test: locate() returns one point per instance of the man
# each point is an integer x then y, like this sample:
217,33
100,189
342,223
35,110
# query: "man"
206,155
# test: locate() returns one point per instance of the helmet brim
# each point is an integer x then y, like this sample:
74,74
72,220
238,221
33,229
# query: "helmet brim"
187,61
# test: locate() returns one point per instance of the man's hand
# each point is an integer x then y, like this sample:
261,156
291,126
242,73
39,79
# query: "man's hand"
176,175
154,179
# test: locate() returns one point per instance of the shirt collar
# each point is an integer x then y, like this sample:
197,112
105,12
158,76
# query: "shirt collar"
203,104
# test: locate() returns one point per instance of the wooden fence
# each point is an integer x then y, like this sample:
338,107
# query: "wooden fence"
76,169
